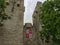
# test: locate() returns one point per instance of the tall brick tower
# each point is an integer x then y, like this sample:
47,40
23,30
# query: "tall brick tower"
12,31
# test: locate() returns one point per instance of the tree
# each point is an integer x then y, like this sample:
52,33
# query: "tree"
50,18
3,15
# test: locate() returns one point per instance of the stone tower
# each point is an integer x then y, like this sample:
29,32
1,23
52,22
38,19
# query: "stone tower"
28,34
36,22
12,31
36,15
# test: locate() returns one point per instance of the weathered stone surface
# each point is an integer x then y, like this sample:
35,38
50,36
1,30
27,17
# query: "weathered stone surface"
12,31
37,24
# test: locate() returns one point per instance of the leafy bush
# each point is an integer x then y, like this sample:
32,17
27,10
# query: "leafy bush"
50,18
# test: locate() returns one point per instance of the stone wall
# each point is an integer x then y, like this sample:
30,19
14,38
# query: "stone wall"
28,34
36,23
12,31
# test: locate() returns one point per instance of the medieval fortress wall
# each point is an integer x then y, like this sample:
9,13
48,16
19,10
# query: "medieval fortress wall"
12,31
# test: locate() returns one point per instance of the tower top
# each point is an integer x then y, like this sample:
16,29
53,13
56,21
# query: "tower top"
28,25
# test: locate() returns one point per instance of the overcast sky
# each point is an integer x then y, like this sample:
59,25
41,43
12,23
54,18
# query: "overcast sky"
29,9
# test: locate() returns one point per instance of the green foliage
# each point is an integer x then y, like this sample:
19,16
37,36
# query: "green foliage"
3,15
50,17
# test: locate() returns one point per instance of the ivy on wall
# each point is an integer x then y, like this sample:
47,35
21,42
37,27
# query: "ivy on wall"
3,15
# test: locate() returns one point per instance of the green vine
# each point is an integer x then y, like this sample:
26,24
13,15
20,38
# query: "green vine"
3,15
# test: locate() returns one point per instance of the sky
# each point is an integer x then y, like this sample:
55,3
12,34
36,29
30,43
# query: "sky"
29,9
